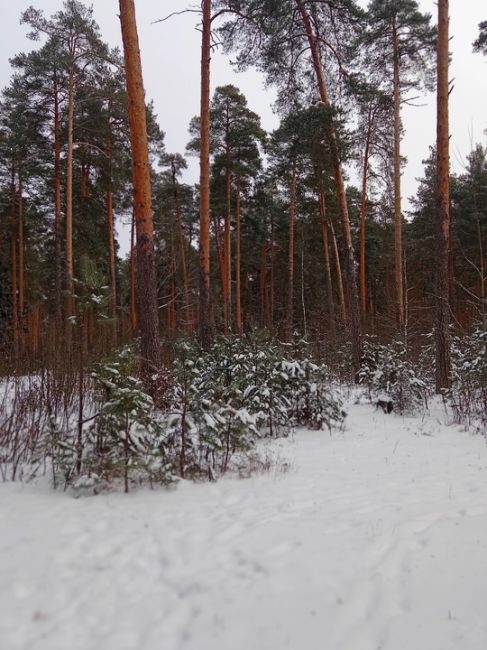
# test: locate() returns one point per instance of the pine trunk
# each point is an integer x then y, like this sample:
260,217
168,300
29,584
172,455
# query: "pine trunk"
13,262
290,290
204,316
264,320
21,256
146,272
354,309
69,195
363,225
182,253
326,255
57,202
133,284
397,183
238,296
111,244
338,266
272,278
227,240
443,203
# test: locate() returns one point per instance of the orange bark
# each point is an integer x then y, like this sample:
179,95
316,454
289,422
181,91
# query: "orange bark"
146,275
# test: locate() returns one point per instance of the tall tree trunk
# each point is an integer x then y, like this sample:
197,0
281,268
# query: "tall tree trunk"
326,255
272,277
443,202
111,244
338,266
146,272
21,255
171,305
264,320
204,316
397,181
57,202
219,251
238,296
354,309
227,237
182,252
69,194
13,263
133,284
290,286
303,301
363,225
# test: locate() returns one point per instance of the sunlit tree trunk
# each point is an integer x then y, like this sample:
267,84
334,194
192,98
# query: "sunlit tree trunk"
146,274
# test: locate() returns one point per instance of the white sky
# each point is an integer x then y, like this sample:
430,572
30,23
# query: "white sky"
171,56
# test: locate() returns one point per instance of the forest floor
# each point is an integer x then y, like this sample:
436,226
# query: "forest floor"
372,538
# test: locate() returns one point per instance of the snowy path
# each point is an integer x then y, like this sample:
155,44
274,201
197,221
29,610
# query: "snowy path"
374,539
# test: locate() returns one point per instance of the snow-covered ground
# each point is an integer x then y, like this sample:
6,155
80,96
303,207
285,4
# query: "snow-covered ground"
375,538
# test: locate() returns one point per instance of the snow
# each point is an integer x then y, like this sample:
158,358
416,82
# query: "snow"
374,538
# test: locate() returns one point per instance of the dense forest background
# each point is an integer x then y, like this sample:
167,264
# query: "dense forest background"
279,254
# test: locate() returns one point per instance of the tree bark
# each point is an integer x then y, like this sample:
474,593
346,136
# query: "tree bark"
57,202
290,289
204,316
133,284
397,182
21,255
272,277
326,255
238,296
69,193
338,266
264,320
182,252
227,236
146,273
111,243
354,309
443,203
13,263
363,225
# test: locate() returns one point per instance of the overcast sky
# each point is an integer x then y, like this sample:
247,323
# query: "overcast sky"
171,55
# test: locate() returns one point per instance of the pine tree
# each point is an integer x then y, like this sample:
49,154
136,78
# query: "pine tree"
402,42
442,332
146,276
480,45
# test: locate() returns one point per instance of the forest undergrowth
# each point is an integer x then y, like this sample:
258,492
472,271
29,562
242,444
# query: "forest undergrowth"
105,426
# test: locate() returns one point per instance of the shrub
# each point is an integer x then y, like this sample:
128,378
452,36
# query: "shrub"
469,379
387,374
124,440
240,390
